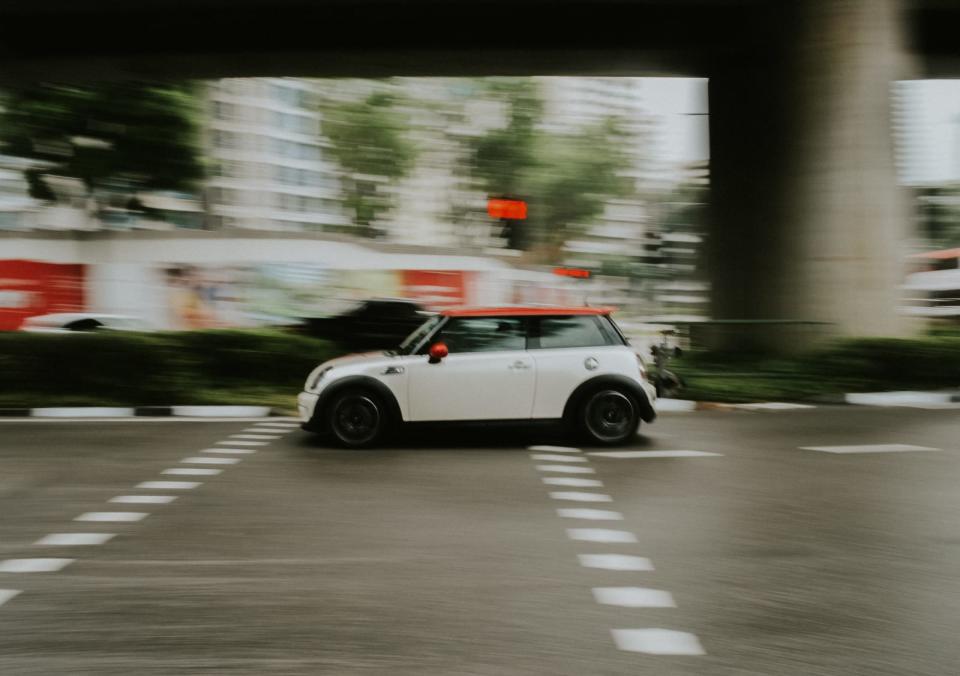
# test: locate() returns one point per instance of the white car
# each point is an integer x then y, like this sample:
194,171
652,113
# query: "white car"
514,364
69,322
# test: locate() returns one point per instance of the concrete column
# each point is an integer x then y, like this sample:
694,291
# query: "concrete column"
807,219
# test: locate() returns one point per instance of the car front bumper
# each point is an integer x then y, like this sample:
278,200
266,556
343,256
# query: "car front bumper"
306,404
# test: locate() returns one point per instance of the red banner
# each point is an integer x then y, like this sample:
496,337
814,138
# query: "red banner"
435,289
30,288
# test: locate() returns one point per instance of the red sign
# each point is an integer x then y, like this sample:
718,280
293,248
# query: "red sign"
514,210
30,288
435,288
572,272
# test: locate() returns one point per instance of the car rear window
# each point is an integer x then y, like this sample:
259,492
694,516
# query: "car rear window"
572,331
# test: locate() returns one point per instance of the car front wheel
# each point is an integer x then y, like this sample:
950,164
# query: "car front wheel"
357,418
609,417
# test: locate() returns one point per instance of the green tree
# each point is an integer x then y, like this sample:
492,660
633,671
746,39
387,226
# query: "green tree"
566,178
368,141
115,139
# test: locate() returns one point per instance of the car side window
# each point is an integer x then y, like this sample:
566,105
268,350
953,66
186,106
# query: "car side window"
483,334
572,331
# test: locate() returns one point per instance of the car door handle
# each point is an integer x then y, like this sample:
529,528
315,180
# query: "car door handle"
519,366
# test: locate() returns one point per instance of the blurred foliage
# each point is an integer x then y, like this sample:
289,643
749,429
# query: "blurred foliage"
854,365
368,141
115,138
269,368
939,215
196,367
565,178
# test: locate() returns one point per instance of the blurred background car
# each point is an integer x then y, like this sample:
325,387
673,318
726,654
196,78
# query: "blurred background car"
374,324
67,322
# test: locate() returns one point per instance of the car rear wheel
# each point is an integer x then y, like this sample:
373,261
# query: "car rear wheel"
357,418
609,417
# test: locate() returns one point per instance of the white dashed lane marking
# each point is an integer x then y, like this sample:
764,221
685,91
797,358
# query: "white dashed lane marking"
255,437
554,449
634,597
615,562
869,448
600,535
566,469
291,425
654,454
7,594
657,641
234,442
592,514
572,481
74,539
117,517
191,471
34,565
144,499
168,485
234,451
578,496
209,460
558,458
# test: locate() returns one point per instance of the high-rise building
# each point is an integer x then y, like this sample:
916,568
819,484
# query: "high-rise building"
269,169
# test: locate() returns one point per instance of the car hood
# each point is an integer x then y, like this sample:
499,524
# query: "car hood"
359,357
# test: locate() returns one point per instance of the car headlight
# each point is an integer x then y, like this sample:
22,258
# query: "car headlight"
314,380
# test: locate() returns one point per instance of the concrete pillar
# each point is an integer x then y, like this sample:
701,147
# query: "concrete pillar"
808,222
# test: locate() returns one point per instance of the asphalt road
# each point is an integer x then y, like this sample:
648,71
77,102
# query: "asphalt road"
440,556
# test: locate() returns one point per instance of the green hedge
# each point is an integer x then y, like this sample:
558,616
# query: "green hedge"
269,367
855,365
154,369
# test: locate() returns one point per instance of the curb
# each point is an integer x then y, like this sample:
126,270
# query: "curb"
141,412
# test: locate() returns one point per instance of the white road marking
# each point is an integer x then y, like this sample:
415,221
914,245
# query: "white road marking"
558,458
269,423
579,496
144,499
235,451
126,419
600,535
271,430
210,460
654,454
633,597
233,442
7,594
675,405
34,565
83,412
112,516
907,398
615,562
592,514
566,469
168,485
657,642
869,448
255,437
192,471
773,406
74,539
555,449
572,481
221,411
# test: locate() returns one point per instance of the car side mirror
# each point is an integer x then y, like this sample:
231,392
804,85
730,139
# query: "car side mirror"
437,352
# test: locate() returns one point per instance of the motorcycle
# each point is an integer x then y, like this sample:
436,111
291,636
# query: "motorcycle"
667,382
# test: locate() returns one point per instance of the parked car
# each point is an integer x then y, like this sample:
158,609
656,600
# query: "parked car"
378,323
67,322
516,364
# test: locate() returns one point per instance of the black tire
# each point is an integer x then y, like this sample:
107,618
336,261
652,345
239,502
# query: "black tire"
608,416
357,418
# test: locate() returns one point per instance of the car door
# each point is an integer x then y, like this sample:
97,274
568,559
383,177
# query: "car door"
567,351
487,375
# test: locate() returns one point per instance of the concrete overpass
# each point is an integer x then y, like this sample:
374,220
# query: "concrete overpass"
807,218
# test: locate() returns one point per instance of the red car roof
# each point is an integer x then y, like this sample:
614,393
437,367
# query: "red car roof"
514,311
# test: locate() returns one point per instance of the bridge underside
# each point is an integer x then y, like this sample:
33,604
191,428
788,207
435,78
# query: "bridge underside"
807,219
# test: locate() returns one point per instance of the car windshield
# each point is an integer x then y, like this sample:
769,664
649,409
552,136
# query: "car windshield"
411,342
